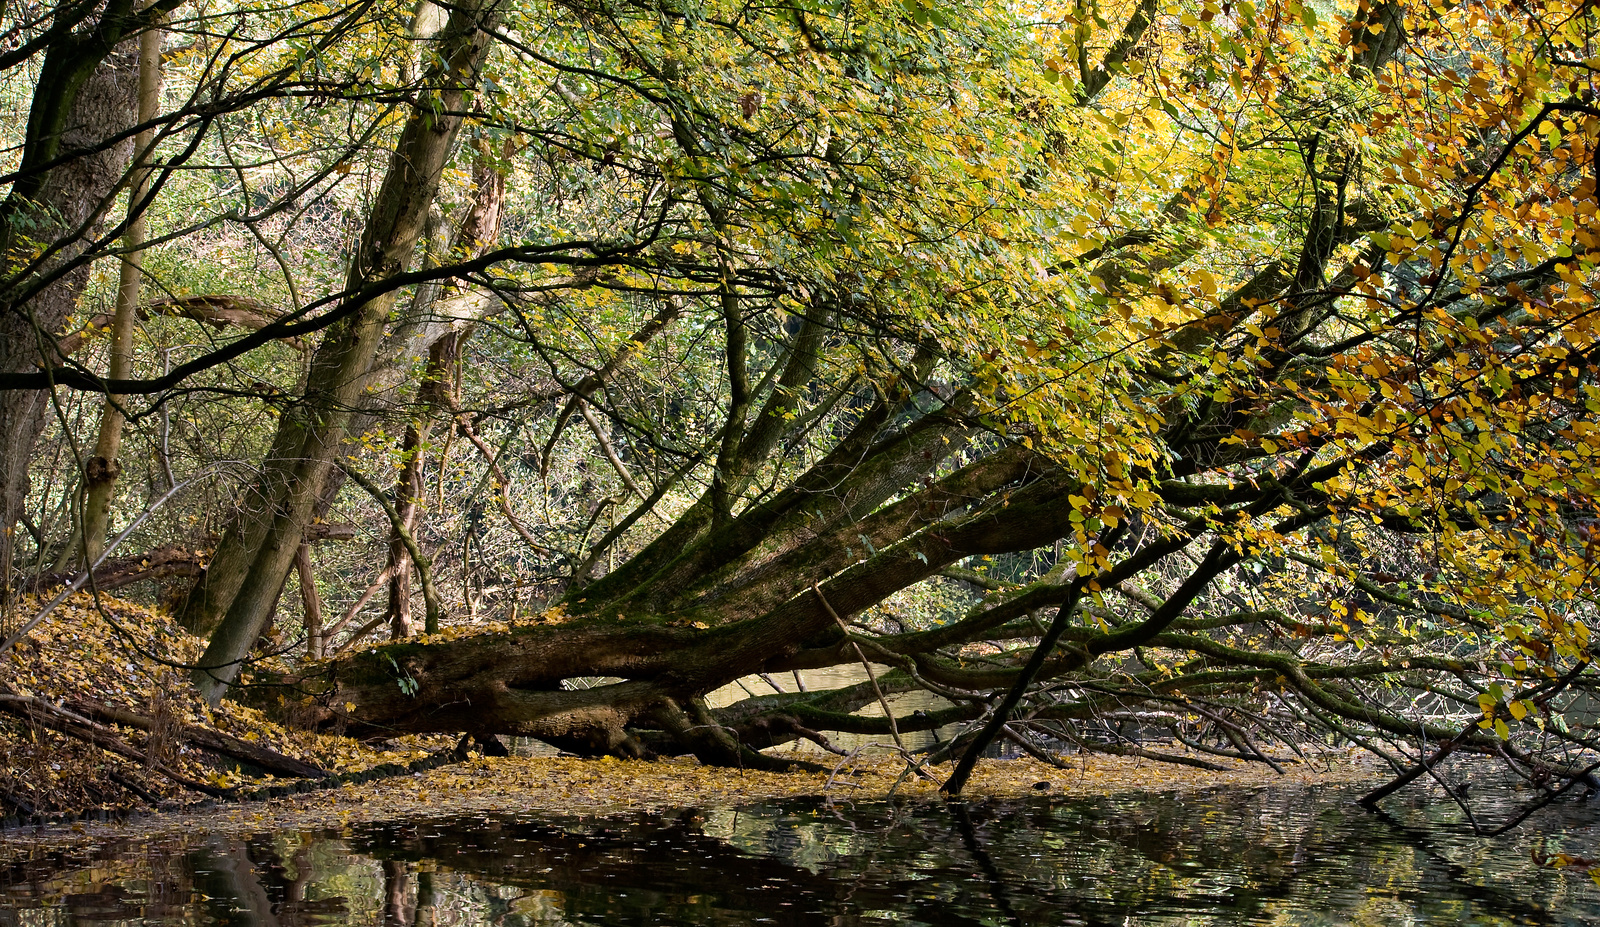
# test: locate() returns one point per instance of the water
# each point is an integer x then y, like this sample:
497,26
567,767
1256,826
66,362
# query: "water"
1292,856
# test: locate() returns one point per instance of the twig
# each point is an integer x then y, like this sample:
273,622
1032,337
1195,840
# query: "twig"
1032,749
581,572
1528,812
1371,799
888,713
589,384
430,596
366,596
609,451
356,635
502,497
910,759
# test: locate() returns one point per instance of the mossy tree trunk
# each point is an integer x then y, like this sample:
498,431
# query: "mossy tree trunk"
233,602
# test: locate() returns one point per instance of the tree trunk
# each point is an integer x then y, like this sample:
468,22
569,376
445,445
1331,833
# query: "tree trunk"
513,683
84,96
479,228
253,560
101,470
408,486
310,600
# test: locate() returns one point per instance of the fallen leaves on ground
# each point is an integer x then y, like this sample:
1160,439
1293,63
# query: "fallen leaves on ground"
134,658
535,785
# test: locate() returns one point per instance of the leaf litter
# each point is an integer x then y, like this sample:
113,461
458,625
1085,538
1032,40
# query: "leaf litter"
119,656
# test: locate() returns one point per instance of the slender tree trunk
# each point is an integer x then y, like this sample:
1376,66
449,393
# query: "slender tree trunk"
479,228
398,611
408,488
101,470
310,600
83,96
253,560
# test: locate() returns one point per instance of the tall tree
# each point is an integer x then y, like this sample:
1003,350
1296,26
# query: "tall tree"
479,228
74,154
102,469
252,562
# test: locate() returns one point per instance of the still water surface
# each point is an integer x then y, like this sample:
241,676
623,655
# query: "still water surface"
1293,856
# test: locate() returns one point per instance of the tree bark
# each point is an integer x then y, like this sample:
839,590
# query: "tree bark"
512,683
253,560
101,470
408,486
479,228
84,97
310,600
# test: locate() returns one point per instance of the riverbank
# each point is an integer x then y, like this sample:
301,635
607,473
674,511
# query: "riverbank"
98,717
95,725
565,786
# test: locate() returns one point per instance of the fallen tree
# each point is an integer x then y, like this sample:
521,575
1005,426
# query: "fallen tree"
1303,509
1248,352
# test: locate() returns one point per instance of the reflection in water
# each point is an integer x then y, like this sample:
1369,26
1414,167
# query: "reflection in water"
1289,857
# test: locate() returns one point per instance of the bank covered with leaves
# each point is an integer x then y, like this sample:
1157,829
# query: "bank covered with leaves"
95,723
95,729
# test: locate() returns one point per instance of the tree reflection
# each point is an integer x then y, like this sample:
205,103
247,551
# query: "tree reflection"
1293,856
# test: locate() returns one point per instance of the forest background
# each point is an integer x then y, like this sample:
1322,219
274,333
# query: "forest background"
1216,369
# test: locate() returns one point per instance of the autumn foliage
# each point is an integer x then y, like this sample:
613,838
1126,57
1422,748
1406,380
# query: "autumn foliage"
1216,373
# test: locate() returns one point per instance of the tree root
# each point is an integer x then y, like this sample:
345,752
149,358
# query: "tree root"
715,745
1122,750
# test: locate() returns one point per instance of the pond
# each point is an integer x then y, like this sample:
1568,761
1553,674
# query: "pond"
1290,856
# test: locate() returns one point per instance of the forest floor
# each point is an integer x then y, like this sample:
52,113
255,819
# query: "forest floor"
97,718
97,713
